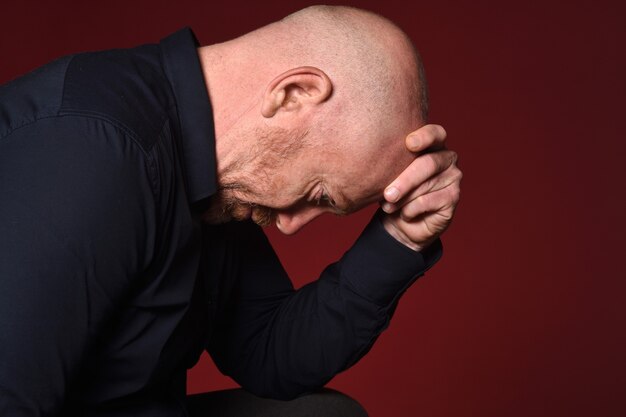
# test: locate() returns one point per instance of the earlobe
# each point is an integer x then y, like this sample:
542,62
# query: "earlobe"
295,90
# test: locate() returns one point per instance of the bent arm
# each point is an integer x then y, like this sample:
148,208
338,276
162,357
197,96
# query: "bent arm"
280,343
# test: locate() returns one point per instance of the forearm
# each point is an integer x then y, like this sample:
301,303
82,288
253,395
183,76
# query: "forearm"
305,337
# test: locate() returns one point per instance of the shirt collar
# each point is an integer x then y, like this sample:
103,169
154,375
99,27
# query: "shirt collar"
195,114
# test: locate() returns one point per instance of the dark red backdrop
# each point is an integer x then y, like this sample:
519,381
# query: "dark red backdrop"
525,315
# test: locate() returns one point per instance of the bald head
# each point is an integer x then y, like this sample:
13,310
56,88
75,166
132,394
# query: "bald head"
333,90
362,50
378,90
368,58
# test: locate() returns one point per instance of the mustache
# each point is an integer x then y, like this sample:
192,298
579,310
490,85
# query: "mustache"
263,216
238,210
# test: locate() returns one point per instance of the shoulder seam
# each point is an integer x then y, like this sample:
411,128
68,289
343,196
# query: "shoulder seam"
24,124
150,162
53,111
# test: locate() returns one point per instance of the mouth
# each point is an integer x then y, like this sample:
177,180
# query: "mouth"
242,211
262,216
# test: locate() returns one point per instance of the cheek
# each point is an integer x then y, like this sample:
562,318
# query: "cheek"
282,188
263,184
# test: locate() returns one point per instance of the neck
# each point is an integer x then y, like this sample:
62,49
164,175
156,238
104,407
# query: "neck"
233,86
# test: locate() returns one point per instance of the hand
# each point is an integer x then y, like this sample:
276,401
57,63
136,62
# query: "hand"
420,202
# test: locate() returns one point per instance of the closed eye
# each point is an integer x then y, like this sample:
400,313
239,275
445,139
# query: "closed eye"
325,199
322,198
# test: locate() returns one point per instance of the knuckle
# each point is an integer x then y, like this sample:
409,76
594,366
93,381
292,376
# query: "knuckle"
406,213
455,193
413,209
452,157
441,161
433,163
448,214
454,175
458,175
431,130
441,132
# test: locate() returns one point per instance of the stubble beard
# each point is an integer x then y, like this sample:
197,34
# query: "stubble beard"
224,207
274,147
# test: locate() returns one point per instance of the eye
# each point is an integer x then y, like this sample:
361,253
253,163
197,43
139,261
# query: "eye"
325,199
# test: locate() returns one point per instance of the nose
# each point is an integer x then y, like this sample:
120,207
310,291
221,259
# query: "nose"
289,222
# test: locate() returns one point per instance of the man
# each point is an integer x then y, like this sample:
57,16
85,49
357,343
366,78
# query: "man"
120,173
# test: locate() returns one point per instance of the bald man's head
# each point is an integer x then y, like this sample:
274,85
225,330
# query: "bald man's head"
367,52
365,55
316,104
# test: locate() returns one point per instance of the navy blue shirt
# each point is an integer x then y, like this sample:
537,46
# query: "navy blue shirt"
111,287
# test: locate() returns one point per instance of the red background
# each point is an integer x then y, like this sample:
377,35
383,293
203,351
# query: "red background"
524,315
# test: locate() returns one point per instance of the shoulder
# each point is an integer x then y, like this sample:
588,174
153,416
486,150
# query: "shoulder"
124,87
32,96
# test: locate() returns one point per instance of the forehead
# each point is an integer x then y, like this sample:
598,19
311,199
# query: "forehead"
356,180
362,159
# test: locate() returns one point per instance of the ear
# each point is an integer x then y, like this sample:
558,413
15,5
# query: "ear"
296,89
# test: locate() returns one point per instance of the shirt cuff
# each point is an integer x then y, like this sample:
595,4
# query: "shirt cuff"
380,269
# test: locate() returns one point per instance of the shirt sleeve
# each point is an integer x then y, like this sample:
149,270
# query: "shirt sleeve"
281,343
74,229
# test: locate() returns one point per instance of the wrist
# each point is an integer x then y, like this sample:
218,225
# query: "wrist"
397,234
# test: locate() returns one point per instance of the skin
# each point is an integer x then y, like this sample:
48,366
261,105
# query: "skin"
296,141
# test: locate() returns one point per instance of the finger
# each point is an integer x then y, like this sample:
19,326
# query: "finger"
426,227
435,183
443,201
428,136
422,168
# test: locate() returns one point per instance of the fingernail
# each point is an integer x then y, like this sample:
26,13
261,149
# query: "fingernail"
414,142
387,207
392,194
